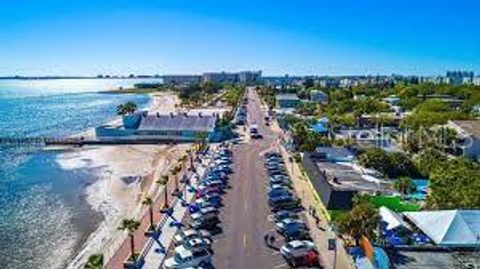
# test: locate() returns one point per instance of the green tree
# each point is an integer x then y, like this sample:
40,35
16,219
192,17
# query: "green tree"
148,201
361,220
95,261
130,225
127,108
429,160
455,184
404,186
163,181
377,159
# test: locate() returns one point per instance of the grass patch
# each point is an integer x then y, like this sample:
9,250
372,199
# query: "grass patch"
393,203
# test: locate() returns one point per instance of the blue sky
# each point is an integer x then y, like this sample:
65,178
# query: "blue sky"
64,37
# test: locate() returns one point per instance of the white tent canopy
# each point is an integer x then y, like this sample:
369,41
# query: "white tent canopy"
454,228
392,219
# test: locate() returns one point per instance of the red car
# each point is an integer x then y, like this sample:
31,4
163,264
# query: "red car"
311,259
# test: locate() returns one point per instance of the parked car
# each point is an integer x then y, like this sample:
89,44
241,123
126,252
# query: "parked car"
277,172
274,162
273,166
284,214
280,177
310,260
297,248
283,203
202,190
183,235
272,153
280,181
185,258
208,210
205,223
202,203
197,245
278,186
203,216
290,223
278,192
223,161
213,198
213,183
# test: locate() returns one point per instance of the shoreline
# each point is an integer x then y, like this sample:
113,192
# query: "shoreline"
124,173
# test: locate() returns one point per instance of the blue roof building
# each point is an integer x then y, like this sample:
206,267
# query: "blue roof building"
176,127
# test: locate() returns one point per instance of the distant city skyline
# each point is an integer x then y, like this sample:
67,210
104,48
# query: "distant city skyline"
87,38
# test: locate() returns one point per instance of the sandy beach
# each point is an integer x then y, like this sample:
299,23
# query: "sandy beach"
125,175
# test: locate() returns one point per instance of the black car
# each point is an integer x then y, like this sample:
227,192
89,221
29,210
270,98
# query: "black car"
272,154
205,223
283,203
277,172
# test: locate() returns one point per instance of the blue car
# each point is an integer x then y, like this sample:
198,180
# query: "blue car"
278,192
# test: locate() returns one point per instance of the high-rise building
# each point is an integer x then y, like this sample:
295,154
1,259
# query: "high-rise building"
181,79
460,77
249,76
224,77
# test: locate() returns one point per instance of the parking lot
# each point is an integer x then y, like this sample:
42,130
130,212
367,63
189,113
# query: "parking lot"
243,232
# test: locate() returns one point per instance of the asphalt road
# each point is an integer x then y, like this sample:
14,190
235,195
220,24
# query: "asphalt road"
245,215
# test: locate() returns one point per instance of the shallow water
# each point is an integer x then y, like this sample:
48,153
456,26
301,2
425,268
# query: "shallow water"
43,214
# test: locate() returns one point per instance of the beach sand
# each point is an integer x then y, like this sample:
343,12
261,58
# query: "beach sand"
126,173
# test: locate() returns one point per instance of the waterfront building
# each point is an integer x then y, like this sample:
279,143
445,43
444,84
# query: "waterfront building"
181,79
221,77
172,127
240,77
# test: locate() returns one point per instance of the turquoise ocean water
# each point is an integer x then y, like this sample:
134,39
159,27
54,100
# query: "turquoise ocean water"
43,215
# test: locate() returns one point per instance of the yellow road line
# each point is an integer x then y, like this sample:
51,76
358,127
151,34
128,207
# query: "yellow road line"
244,240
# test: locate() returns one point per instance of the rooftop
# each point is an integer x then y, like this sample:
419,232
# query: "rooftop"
471,127
407,259
344,177
178,122
287,96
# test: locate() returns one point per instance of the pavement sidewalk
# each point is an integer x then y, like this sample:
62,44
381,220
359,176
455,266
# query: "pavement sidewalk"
154,256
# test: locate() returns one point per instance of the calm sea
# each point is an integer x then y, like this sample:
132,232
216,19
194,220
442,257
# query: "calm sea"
43,215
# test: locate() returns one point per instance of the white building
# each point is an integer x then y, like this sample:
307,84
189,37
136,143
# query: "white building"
476,81
468,135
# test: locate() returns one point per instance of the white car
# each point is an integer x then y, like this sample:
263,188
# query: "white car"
197,245
190,234
198,215
185,258
297,248
290,222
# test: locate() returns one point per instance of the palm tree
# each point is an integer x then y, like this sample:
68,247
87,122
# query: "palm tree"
190,156
404,186
164,182
127,108
130,225
95,261
148,201
175,171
